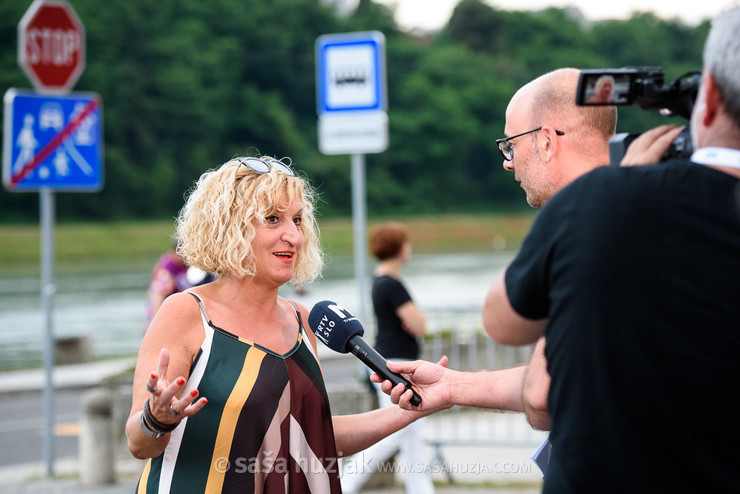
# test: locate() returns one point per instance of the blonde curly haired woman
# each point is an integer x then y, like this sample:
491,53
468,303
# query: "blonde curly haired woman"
228,394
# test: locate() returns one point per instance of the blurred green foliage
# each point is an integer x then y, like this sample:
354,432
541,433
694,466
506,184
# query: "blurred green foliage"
188,84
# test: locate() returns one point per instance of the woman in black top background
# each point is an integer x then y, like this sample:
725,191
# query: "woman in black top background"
400,324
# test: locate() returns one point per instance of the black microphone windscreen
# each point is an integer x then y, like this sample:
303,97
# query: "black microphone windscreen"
334,325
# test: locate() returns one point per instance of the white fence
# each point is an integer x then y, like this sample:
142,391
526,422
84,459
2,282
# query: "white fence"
458,333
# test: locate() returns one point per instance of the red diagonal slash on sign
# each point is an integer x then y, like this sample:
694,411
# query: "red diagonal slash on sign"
55,142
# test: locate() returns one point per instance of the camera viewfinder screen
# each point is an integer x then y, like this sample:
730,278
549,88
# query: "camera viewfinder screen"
607,89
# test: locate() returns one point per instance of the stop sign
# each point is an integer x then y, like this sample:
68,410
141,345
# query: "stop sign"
51,45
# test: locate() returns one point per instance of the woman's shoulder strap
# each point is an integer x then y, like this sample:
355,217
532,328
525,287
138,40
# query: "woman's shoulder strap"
201,306
297,312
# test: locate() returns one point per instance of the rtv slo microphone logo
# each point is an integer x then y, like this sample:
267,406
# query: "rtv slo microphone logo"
323,331
326,325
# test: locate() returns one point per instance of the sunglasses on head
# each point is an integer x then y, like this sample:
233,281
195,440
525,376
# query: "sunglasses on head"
264,166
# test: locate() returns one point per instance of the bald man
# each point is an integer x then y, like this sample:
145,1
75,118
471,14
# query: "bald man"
550,141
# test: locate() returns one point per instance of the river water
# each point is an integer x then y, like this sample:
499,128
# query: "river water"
109,307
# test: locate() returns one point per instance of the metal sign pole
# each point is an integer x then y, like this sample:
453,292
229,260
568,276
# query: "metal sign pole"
47,295
359,221
351,103
55,75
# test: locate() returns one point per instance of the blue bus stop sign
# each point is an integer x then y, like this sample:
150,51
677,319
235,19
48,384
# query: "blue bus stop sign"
350,72
351,98
53,142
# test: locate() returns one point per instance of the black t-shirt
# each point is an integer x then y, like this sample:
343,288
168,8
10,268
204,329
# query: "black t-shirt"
638,271
392,341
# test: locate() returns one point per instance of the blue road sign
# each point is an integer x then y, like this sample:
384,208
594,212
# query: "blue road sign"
350,72
53,142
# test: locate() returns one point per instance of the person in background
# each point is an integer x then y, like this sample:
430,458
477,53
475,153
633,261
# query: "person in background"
170,275
228,393
400,326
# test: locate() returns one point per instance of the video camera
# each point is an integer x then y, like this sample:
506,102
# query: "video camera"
645,87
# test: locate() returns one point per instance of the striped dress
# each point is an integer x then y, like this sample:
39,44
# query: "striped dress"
266,428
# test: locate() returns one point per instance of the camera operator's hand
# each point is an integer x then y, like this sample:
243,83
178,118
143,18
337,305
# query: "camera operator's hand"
650,147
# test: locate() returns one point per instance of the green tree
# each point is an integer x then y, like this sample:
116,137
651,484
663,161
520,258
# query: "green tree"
478,26
187,85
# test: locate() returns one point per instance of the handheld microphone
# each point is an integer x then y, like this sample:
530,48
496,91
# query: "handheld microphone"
338,329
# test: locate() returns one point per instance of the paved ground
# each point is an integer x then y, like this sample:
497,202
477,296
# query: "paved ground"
29,479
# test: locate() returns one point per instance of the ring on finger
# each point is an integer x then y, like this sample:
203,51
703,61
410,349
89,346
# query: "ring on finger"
174,412
149,388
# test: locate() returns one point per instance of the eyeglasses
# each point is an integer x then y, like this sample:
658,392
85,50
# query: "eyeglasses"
505,146
264,166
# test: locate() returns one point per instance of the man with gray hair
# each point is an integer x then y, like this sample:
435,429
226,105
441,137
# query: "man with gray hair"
633,273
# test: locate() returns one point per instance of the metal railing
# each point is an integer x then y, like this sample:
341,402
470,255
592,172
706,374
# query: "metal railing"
458,333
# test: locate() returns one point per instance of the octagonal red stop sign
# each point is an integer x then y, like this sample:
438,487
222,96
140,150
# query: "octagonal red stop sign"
51,45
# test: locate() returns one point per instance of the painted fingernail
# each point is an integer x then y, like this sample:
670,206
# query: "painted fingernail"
181,381
153,375
194,393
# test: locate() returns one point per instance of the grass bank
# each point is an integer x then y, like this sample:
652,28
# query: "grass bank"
121,245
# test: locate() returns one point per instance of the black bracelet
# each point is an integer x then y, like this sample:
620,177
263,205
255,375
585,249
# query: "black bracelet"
153,424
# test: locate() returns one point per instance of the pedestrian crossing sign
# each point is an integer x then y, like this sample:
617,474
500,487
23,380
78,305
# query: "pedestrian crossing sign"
53,142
